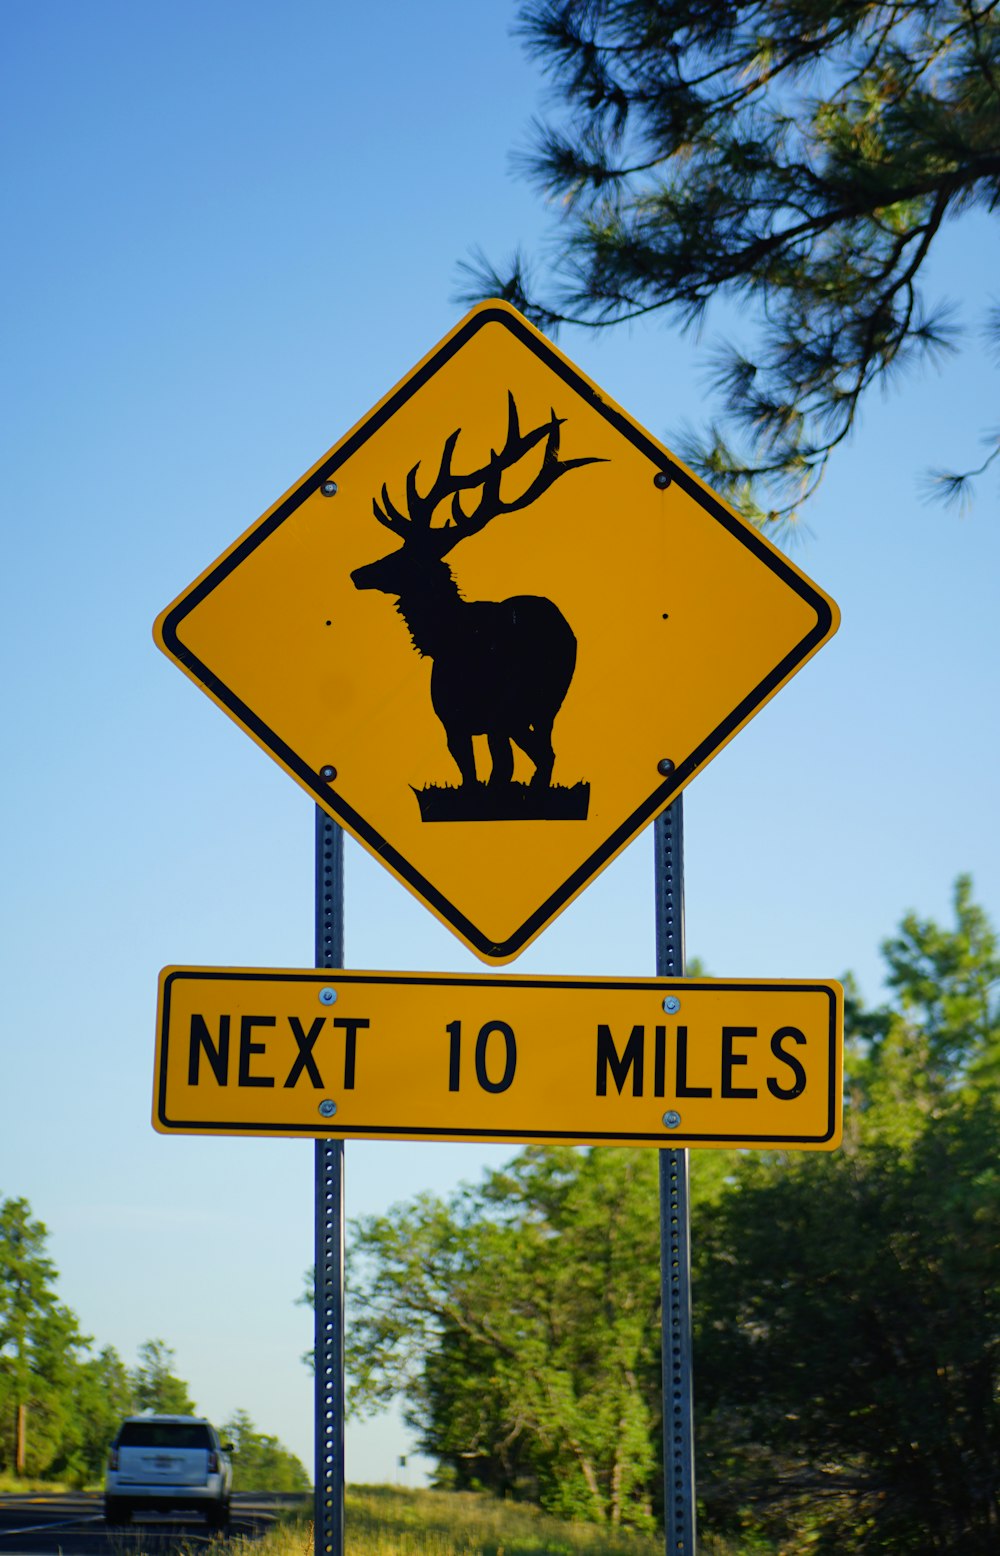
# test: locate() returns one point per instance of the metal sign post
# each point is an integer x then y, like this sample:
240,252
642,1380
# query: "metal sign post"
329,1280
675,1263
675,1223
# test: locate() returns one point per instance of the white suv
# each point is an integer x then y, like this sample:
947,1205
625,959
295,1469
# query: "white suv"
165,1463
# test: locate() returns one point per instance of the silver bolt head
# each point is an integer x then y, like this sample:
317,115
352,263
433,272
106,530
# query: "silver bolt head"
671,1119
328,1107
328,996
329,488
671,1004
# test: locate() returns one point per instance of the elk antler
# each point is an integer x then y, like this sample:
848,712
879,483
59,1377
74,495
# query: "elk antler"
420,508
491,504
447,484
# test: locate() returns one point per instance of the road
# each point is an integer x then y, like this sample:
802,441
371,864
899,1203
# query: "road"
72,1524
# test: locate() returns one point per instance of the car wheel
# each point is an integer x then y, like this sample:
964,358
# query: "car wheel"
218,1517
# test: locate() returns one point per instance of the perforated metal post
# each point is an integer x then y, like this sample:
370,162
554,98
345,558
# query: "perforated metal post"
675,1224
329,1330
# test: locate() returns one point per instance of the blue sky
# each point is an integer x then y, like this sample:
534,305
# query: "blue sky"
231,228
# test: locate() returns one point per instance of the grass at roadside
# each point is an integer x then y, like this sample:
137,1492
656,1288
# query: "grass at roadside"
13,1485
384,1521
390,1521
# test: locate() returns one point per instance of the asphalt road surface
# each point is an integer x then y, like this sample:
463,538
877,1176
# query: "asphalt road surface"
73,1524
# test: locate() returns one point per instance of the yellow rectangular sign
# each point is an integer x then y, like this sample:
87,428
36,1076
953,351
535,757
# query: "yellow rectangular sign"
427,1056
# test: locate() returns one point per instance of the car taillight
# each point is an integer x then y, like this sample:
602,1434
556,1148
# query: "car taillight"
213,1462
113,1459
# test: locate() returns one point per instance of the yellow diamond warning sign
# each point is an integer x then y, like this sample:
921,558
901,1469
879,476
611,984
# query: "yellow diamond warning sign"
496,629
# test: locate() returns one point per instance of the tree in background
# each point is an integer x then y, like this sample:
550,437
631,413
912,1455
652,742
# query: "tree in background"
849,1309
848,1345
518,1320
154,1384
803,156
261,1462
847,1306
99,1398
61,1407
39,1342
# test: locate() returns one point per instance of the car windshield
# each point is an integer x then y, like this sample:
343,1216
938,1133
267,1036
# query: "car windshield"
164,1434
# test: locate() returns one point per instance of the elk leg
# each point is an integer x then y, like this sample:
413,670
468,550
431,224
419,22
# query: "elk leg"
503,759
460,746
536,743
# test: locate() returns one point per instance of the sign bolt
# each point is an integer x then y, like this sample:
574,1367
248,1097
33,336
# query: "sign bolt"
328,996
328,773
662,479
671,1004
665,767
327,1107
671,1119
329,488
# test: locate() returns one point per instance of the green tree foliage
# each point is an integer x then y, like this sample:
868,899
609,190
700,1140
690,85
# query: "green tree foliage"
99,1398
154,1384
805,155
60,1406
518,1320
849,1344
261,1462
847,1306
39,1341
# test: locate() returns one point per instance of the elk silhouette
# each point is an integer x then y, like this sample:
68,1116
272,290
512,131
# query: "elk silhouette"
501,667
